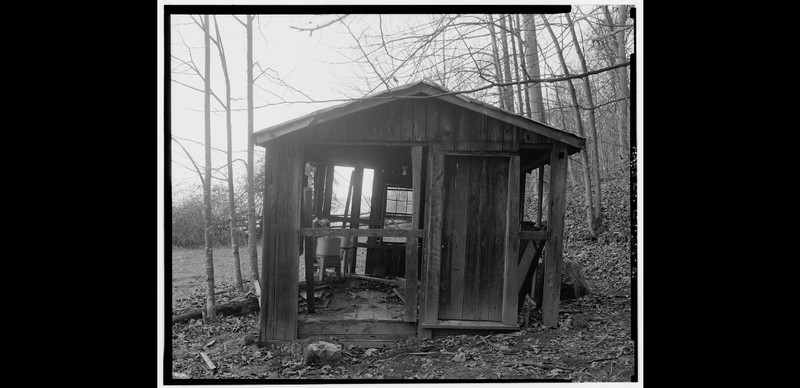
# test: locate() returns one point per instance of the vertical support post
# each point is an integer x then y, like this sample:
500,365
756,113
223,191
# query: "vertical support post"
328,195
319,188
412,243
555,229
355,215
357,180
510,290
433,265
376,217
308,251
539,199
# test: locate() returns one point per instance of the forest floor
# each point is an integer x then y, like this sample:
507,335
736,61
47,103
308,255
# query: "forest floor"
601,351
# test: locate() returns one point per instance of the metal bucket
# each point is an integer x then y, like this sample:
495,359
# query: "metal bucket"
328,246
347,242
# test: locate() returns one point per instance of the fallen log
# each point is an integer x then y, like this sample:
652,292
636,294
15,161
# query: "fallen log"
236,307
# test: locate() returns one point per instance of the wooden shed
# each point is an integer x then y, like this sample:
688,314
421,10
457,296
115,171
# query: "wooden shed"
458,166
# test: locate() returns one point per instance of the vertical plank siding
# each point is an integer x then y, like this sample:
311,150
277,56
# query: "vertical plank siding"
470,205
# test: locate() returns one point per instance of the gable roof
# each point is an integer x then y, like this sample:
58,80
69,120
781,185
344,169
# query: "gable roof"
422,88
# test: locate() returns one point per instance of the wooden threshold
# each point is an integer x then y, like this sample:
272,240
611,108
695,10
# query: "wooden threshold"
456,324
319,232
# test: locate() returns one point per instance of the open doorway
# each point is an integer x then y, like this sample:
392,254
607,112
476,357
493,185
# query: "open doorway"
359,293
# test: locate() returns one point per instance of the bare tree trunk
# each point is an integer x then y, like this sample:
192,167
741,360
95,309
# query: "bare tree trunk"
532,69
211,313
523,66
579,124
509,92
496,59
520,107
622,15
237,267
252,237
595,154
621,84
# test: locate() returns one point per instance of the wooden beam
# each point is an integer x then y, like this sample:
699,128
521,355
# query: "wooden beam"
319,188
308,251
266,321
412,243
357,182
510,289
539,198
328,195
317,232
458,324
433,265
554,244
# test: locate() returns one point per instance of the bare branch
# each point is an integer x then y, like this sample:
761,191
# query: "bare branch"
613,32
191,159
317,27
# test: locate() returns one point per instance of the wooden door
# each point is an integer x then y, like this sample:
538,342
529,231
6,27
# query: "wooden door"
473,231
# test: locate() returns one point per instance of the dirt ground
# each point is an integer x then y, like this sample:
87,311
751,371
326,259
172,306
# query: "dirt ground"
600,351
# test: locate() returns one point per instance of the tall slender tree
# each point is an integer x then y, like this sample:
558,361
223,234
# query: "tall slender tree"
496,59
252,237
532,69
508,92
595,152
211,313
237,268
587,180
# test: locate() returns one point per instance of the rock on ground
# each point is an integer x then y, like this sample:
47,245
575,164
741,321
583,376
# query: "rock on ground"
322,353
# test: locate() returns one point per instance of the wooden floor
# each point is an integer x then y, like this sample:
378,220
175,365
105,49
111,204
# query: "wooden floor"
358,312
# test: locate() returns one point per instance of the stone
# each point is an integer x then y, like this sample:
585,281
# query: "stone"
322,353
573,283
370,352
579,321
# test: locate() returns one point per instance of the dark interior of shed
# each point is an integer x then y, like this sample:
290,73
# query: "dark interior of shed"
379,196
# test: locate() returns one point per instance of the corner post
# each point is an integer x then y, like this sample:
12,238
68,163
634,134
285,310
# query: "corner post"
555,229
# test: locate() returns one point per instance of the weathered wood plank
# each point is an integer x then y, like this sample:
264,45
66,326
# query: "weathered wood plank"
510,285
459,197
499,196
287,267
418,133
431,120
308,249
494,135
465,126
412,244
449,209
319,188
405,120
482,265
433,266
358,183
268,248
462,324
355,328
317,232
328,194
472,257
447,125
554,245
509,137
